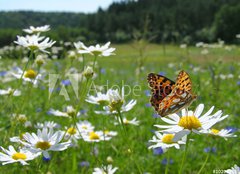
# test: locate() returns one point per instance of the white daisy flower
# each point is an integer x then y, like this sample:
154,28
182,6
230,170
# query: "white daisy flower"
69,112
225,133
79,45
45,140
47,124
191,121
116,103
29,75
35,42
12,156
105,170
72,134
110,133
32,30
97,50
85,126
95,136
17,139
134,121
10,91
166,141
100,99
234,170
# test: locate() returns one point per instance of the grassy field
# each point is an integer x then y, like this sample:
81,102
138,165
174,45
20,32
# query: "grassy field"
216,81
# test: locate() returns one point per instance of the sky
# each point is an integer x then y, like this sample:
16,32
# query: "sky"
86,6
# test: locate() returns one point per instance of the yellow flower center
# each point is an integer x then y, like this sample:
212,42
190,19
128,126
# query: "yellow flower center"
126,121
72,131
189,122
17,156
84,127
31,74
116,105
167,138
106,132
96,52
94,136
214,131
44,145
71,113
33,47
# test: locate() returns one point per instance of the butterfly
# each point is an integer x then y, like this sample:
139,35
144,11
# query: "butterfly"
169,97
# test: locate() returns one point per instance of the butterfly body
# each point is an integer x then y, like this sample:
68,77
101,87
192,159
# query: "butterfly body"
169,97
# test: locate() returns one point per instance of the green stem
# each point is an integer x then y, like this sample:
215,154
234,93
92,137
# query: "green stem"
121,121
83,62
94,62
74,162
184,155
205,162
168,159
20,82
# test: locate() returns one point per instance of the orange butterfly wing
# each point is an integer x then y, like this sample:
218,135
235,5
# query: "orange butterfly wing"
160,87
180,96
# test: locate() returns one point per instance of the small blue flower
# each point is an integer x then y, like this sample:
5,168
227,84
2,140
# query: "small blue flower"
238,83
148,105
207,149
165,161
84,164
38,109
162,73
46,159
232,129
158,151
49,112
210,149
103,71
3,73
66,82
83,111
155,115
214,149
147,92
58,88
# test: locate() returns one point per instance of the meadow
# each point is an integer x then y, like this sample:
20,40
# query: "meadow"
215,73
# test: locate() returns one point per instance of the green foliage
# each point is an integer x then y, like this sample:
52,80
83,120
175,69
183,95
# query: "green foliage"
211,90
169,20
227,23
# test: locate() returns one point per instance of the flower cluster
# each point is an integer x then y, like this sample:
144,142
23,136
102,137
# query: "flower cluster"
180,126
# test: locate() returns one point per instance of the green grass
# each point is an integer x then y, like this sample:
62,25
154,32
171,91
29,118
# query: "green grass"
130,152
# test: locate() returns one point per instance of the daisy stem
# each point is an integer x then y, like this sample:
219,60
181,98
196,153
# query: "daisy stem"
205,162
74,161
184,155
121,121
94,62
83,62
20,81
168,159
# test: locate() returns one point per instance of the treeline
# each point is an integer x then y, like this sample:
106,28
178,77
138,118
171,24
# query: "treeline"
177,21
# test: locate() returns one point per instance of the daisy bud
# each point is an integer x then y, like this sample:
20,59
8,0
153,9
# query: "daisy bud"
88,72
39,60
109,159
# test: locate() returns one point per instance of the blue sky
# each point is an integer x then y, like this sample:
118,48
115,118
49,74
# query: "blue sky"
55,5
